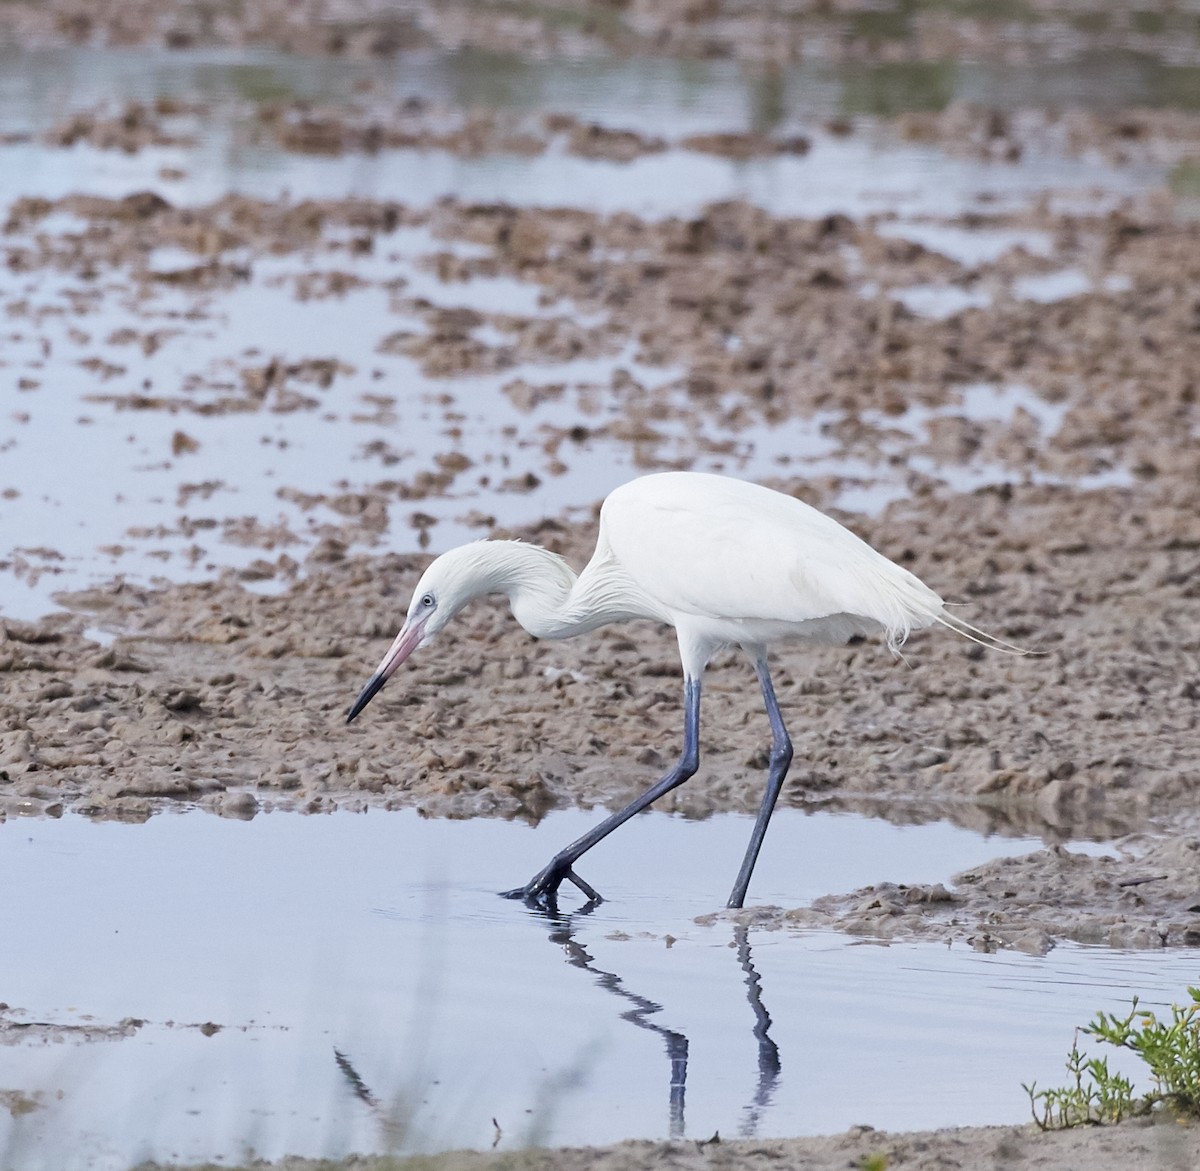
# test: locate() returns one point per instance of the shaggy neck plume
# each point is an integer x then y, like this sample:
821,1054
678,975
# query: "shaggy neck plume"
546,596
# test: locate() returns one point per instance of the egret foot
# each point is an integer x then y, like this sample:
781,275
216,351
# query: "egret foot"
542,889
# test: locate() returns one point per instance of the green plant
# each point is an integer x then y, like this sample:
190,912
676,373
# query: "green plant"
1170,1048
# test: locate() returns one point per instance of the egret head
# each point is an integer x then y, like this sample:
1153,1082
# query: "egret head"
449,583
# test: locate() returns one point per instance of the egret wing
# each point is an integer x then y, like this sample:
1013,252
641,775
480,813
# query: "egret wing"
720,548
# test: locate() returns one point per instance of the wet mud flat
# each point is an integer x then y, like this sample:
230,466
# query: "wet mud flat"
999,394
221,694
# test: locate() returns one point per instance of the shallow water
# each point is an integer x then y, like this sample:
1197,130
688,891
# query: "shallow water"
851,177
863,173
373,993
38,87
74,440
71,445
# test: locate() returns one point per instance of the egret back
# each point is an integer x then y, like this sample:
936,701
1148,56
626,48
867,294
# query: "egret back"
712,548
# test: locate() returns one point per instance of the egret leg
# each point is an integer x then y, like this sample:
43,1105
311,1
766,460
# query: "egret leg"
542,889
781,758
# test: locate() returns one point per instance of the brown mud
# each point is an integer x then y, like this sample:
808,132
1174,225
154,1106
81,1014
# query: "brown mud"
1132,1146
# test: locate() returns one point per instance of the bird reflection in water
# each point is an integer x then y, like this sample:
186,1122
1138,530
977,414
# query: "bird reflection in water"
563,932
768,1052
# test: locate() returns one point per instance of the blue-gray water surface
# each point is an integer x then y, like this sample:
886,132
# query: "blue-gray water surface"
373,993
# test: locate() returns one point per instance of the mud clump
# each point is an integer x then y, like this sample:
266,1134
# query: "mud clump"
130,129
1148,896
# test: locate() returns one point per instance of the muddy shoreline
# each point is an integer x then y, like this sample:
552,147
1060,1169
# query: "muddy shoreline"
1146,1144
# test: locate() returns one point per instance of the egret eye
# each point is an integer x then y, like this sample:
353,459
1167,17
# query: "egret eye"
427,601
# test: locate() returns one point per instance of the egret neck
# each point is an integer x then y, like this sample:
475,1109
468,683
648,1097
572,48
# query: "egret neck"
544,593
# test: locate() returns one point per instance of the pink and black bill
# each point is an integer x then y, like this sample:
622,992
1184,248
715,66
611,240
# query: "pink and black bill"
367,694
405,643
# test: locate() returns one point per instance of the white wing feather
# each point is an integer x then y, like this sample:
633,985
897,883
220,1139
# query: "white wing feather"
717,548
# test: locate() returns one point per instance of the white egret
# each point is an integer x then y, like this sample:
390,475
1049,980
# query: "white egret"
723,561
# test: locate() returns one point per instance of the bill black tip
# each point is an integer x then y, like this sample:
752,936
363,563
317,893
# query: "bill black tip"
367,694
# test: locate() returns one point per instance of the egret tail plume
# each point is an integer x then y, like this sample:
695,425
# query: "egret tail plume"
982,637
